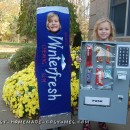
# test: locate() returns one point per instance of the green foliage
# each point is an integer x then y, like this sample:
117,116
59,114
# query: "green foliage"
5,55
27,17
8,19
15,44
22,58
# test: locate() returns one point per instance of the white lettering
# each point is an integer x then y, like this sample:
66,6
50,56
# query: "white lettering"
52,70
53,97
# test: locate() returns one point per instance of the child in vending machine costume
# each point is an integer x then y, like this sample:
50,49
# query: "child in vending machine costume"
104,30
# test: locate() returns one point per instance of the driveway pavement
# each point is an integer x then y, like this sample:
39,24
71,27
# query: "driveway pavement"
9,122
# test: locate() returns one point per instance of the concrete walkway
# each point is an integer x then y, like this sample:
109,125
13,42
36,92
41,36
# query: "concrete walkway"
7,119
9,122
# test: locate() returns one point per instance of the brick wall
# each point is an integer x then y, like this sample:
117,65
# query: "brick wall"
98,9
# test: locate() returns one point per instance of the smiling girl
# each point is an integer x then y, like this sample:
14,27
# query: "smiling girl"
53,22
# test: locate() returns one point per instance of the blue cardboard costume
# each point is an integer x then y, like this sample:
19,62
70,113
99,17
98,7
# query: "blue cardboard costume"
53,62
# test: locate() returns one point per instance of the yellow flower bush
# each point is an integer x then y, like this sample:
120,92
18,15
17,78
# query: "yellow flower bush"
20,91
74,77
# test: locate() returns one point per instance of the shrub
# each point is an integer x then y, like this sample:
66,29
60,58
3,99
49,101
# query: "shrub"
22,58
74,77
20,93
20,90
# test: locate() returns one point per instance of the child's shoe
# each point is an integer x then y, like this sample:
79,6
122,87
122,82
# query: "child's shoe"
87,126
102,126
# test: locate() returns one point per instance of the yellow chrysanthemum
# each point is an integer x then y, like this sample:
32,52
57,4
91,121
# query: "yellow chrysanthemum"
21,94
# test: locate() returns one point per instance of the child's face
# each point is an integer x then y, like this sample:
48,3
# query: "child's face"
104,31
53,24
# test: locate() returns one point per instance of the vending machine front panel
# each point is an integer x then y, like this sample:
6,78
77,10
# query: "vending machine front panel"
104,81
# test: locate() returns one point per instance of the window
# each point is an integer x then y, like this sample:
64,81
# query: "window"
120,15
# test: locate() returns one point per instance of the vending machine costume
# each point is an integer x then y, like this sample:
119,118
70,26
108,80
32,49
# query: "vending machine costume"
53,64
104,81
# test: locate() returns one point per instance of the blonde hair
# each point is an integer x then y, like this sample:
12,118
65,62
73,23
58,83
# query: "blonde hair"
95,31
49,16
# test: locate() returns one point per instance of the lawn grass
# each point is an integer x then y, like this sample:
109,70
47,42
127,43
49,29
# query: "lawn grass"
6,55
17,44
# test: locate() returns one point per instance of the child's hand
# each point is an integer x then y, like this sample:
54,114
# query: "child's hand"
78,59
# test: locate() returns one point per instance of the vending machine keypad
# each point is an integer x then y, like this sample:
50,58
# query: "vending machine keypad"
123,56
